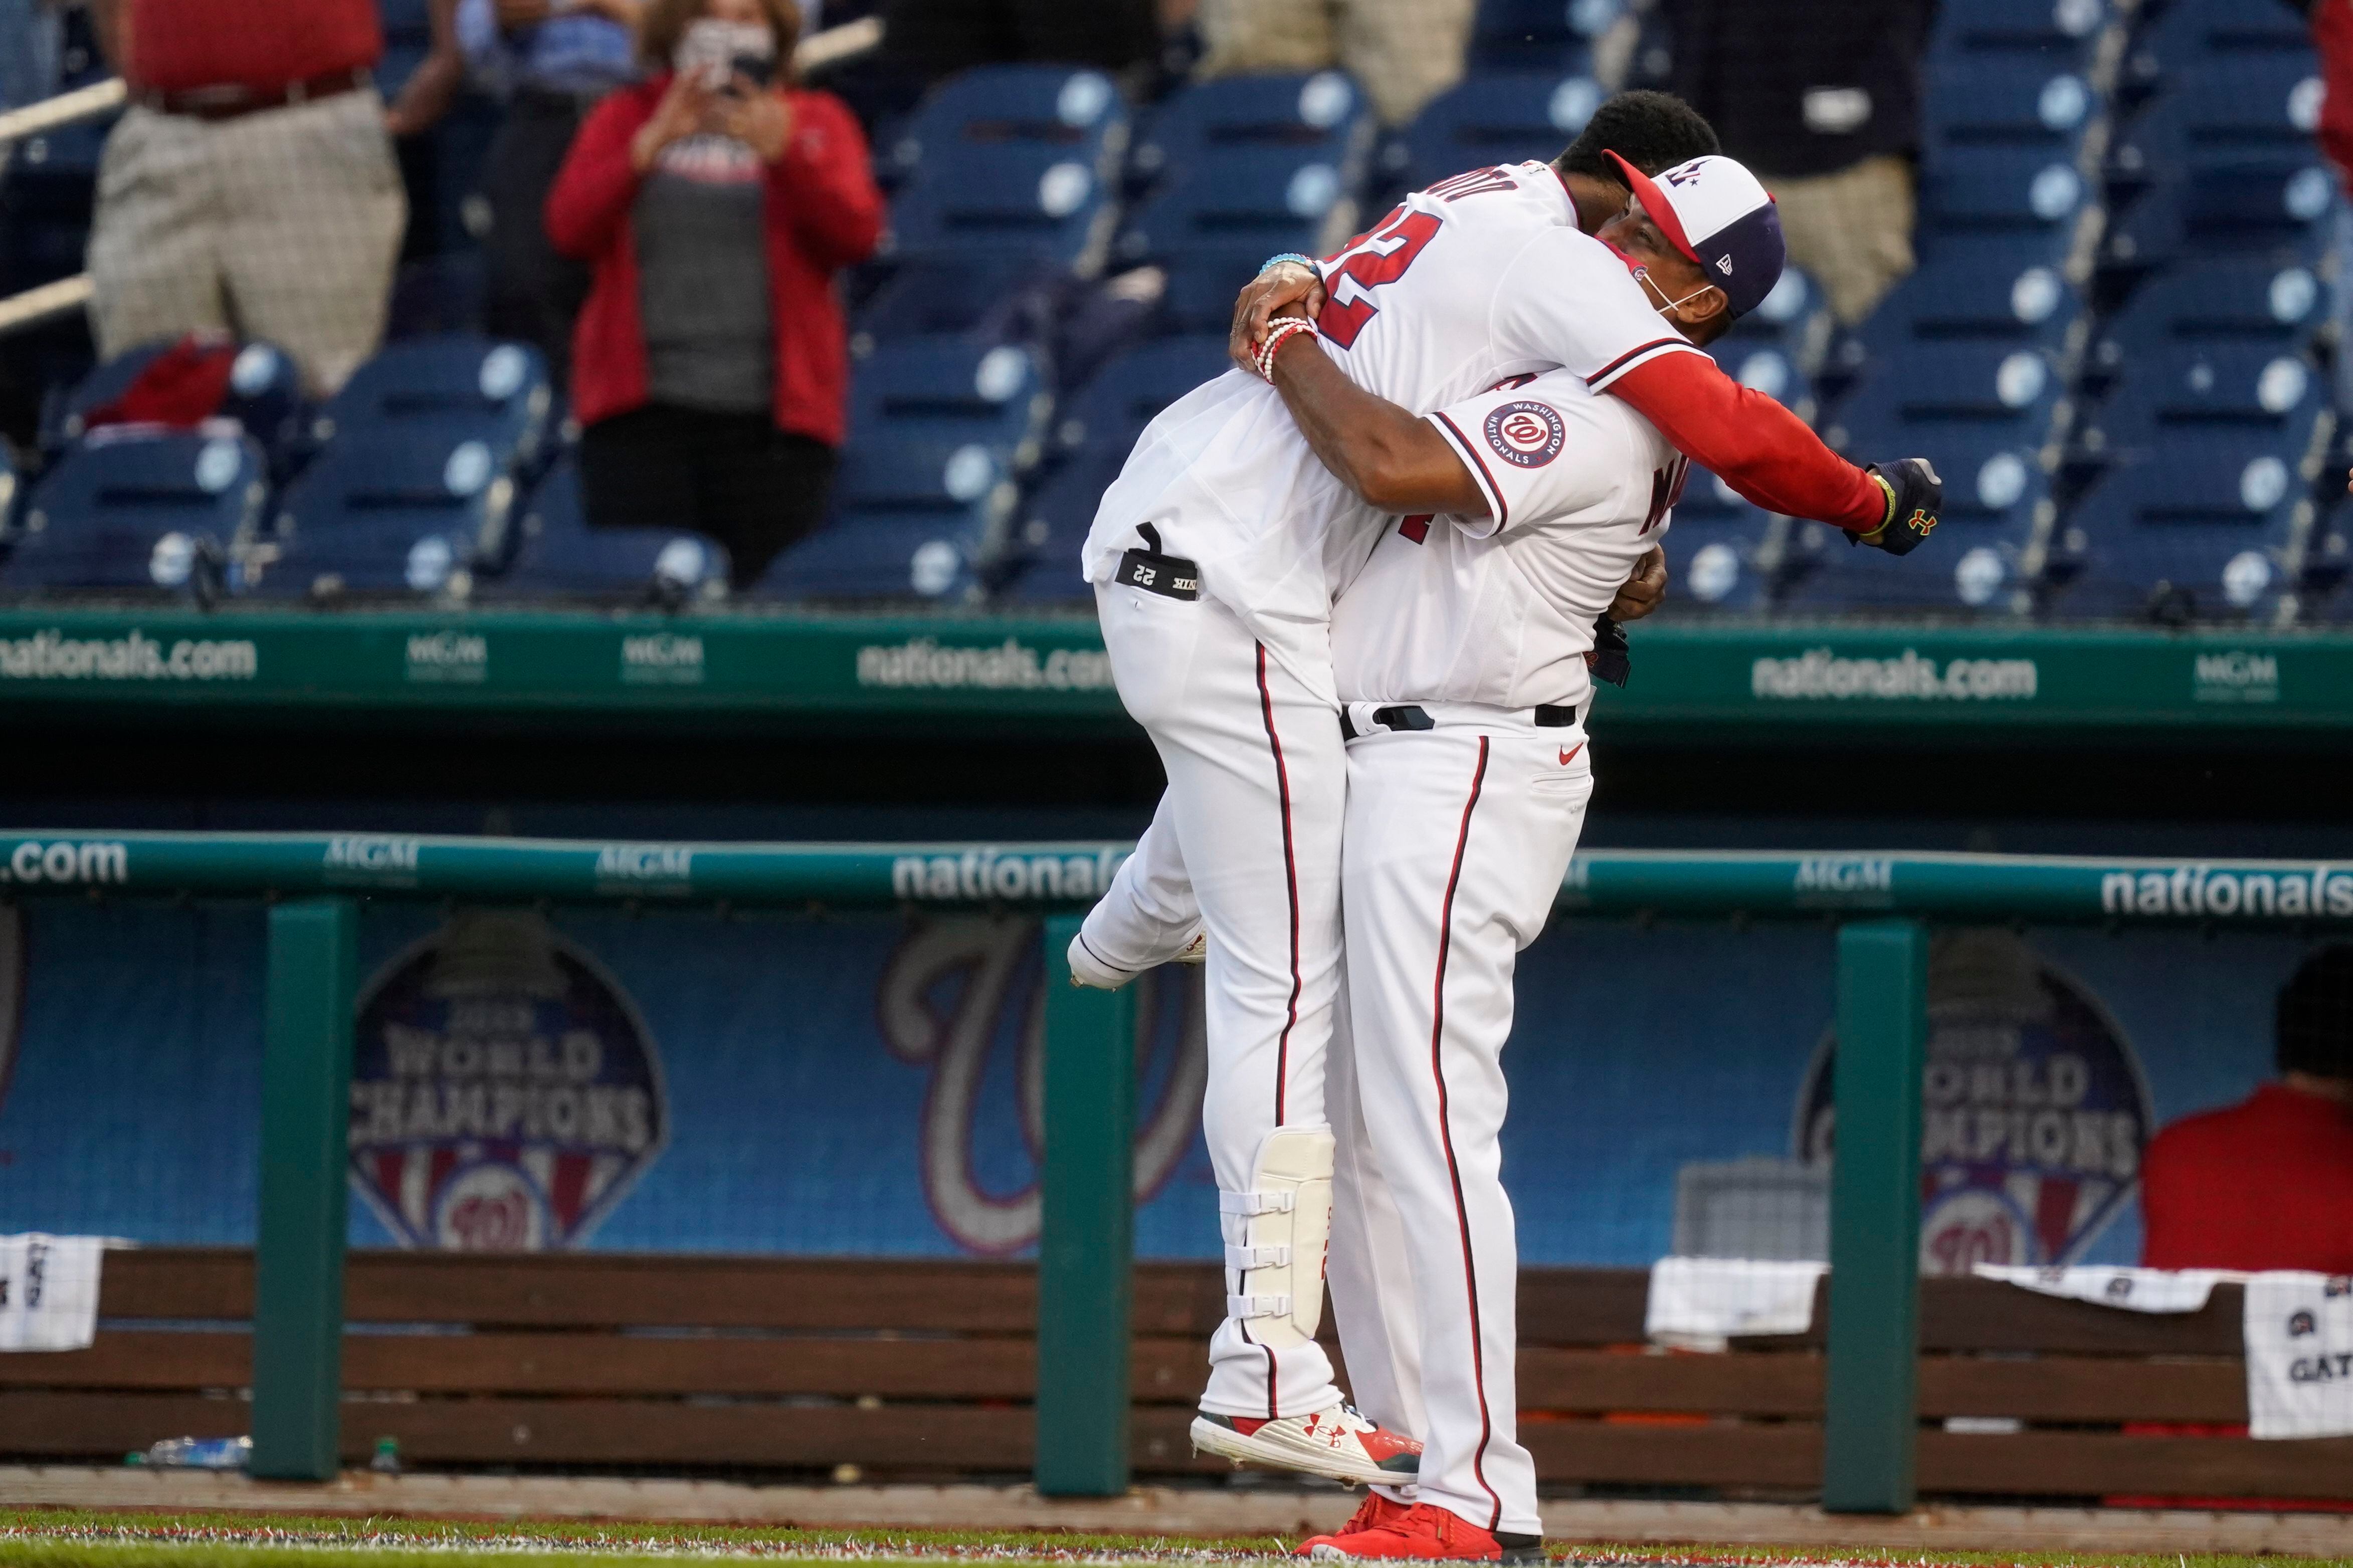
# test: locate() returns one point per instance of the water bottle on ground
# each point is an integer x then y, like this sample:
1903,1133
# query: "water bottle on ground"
201,1453
387,1457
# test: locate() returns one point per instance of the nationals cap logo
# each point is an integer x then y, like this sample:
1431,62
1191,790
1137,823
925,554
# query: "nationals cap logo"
1526,434
505,1093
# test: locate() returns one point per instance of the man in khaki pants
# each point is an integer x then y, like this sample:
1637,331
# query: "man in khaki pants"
1405,52
252,186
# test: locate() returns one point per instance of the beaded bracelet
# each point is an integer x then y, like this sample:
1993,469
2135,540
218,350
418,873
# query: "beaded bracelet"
1284,327
1274,261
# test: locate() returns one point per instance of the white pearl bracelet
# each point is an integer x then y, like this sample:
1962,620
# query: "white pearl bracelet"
1284,328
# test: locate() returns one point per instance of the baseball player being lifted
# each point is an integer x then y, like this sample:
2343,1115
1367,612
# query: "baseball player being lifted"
1216,555
1460,656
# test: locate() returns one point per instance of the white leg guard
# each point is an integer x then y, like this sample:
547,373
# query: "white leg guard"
1277,1234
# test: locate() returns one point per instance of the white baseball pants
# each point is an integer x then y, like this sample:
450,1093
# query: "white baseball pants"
1252,817
1456,842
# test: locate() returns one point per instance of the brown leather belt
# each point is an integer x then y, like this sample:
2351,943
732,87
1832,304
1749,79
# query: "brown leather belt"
233,99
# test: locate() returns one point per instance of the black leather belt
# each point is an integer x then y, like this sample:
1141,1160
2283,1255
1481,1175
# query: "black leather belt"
1413,716
1170,577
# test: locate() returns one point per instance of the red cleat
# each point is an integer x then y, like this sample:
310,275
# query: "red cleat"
1371,1514
1422,1533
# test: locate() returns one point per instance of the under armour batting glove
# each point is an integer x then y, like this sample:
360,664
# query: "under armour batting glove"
1916,497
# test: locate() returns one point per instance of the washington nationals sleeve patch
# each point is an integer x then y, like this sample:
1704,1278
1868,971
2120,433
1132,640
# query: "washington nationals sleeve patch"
1526,434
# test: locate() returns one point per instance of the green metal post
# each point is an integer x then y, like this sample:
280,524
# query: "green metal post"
1872,1419
306,1076
1086,1251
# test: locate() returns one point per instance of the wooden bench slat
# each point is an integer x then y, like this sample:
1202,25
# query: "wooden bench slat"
2084,1389
177,1282
2100,1464
1989,1315
1723,1454
1597,1382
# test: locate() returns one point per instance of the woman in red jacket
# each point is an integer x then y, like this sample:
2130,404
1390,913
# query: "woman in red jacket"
714,203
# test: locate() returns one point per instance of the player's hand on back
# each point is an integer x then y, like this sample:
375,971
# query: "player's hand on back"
1645,590
1286,287
1915,499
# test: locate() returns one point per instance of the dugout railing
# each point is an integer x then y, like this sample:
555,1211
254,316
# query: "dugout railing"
1882,905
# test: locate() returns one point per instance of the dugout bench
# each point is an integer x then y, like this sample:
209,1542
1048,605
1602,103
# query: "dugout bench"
606,1360
927,1371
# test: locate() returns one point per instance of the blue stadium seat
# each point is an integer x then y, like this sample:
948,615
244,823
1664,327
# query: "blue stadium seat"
2200,529
1997,494
417,505
1716,547
1111,409
2060,33
1992,100
1491,118
2266,391
2276,208
10,488
1539,34
2245,300
1990,285
908,520
265,396
2188,37
2018,189
1051,525
45,196
1094,432
130,509
1029,202
1987,382
936,296
556,553
2229,109
1320,118
1077,113
1245,198
950,390
1203,280
499,393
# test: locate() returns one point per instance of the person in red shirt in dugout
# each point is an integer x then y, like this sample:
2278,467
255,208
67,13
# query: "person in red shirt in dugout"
2268,1182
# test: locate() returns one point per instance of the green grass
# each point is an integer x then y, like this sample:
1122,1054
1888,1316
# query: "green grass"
56,1538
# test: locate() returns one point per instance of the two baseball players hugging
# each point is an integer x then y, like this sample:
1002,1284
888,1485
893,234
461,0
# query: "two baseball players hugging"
1352,594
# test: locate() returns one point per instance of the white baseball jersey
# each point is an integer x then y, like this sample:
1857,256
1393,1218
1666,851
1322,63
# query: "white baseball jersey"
1500,609
1476,280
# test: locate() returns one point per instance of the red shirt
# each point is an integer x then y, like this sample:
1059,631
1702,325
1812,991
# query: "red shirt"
1753,444
822,214
2266,1184
2332,35
177,45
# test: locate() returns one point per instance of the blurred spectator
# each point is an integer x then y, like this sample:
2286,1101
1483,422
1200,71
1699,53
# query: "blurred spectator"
2268,1182
1404,52
251,185
932,38
1821,98
714,204
28,53
550,60
2332,37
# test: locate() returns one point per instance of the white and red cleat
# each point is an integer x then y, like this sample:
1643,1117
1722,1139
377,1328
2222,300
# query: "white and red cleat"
1422,1533
1334,1443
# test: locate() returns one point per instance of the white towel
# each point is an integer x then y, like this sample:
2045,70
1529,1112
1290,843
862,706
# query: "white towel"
48,1291
1699,1303
2133,1290
2299,1330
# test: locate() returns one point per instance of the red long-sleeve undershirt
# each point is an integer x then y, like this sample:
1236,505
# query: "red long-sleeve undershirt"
1750,442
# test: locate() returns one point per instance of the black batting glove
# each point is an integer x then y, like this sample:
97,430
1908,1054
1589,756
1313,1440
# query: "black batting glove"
1915,497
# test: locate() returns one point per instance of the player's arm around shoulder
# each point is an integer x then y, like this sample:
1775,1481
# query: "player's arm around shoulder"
1388,459
1546,451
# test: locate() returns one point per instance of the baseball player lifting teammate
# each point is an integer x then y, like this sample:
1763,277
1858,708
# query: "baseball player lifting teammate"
1217,556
